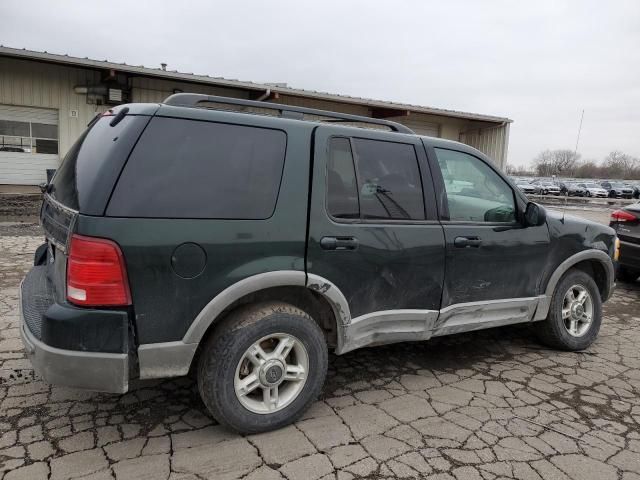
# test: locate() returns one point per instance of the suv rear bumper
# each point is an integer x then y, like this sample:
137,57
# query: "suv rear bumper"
101,372
98,371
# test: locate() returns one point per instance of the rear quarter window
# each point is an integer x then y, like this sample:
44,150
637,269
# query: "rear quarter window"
195,169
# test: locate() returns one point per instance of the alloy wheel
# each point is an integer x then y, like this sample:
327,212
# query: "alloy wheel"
577,310
271,373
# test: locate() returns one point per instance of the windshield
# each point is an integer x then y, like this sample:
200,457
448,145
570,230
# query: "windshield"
593,185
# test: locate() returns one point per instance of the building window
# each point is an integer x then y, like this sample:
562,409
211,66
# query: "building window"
28,137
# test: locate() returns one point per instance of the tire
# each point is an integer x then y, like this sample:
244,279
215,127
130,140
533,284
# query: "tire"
588,193
627,274
553,331
224,358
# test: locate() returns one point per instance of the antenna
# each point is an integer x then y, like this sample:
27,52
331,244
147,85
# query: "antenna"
575,154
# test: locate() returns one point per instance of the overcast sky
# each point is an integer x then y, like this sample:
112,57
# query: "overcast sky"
539,63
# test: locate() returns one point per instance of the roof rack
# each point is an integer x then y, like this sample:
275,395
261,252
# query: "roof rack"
286,111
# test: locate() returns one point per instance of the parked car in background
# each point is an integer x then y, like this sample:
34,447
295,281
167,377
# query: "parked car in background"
617,189
636,190
626,223
548,188
282,247
571,189
594,190
575,190
526,187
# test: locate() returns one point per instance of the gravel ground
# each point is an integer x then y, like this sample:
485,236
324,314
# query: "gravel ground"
484,405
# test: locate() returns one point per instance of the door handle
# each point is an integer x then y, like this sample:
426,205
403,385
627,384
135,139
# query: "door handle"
338,243
464,242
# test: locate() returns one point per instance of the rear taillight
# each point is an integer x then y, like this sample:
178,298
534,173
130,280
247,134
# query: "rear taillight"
96,273
623,216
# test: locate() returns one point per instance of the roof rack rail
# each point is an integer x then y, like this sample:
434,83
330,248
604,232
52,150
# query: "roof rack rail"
286,111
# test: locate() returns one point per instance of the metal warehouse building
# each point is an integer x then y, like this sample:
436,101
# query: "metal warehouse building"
46,101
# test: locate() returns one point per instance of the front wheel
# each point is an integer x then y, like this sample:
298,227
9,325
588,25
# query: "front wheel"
262,367
575,313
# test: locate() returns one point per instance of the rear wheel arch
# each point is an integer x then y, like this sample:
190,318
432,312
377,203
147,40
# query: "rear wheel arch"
310,302
320,299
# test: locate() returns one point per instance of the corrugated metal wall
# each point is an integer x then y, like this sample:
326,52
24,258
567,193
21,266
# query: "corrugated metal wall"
419,124
492,141
29,83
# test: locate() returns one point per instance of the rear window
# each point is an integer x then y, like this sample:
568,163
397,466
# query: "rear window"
194,169
88,172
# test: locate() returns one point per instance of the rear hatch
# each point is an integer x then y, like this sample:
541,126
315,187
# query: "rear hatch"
81,186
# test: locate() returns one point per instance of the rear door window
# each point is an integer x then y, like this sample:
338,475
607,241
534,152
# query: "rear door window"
342,186
374,179
389,180
194,169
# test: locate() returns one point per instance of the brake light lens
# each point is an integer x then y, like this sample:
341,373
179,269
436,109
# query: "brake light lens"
623,216
96,273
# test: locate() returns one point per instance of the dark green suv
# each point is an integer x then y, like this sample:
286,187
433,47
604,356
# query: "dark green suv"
242,245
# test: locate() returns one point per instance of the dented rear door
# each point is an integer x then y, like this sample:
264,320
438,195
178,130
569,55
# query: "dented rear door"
373,230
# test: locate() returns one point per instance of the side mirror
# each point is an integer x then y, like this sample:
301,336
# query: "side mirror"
534,215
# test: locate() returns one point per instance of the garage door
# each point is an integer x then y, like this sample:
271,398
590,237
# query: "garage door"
28,144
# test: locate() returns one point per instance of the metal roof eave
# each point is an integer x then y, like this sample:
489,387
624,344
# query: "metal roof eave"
224,82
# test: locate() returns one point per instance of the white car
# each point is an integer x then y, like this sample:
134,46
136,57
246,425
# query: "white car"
594,190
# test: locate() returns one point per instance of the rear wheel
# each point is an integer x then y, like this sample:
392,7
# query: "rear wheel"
575,313
627,274
262,367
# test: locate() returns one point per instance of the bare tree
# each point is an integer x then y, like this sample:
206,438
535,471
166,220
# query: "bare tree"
556,162
518,170
621,165
563,162
588,169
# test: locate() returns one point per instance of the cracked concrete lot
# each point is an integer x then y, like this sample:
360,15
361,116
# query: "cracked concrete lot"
486,405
